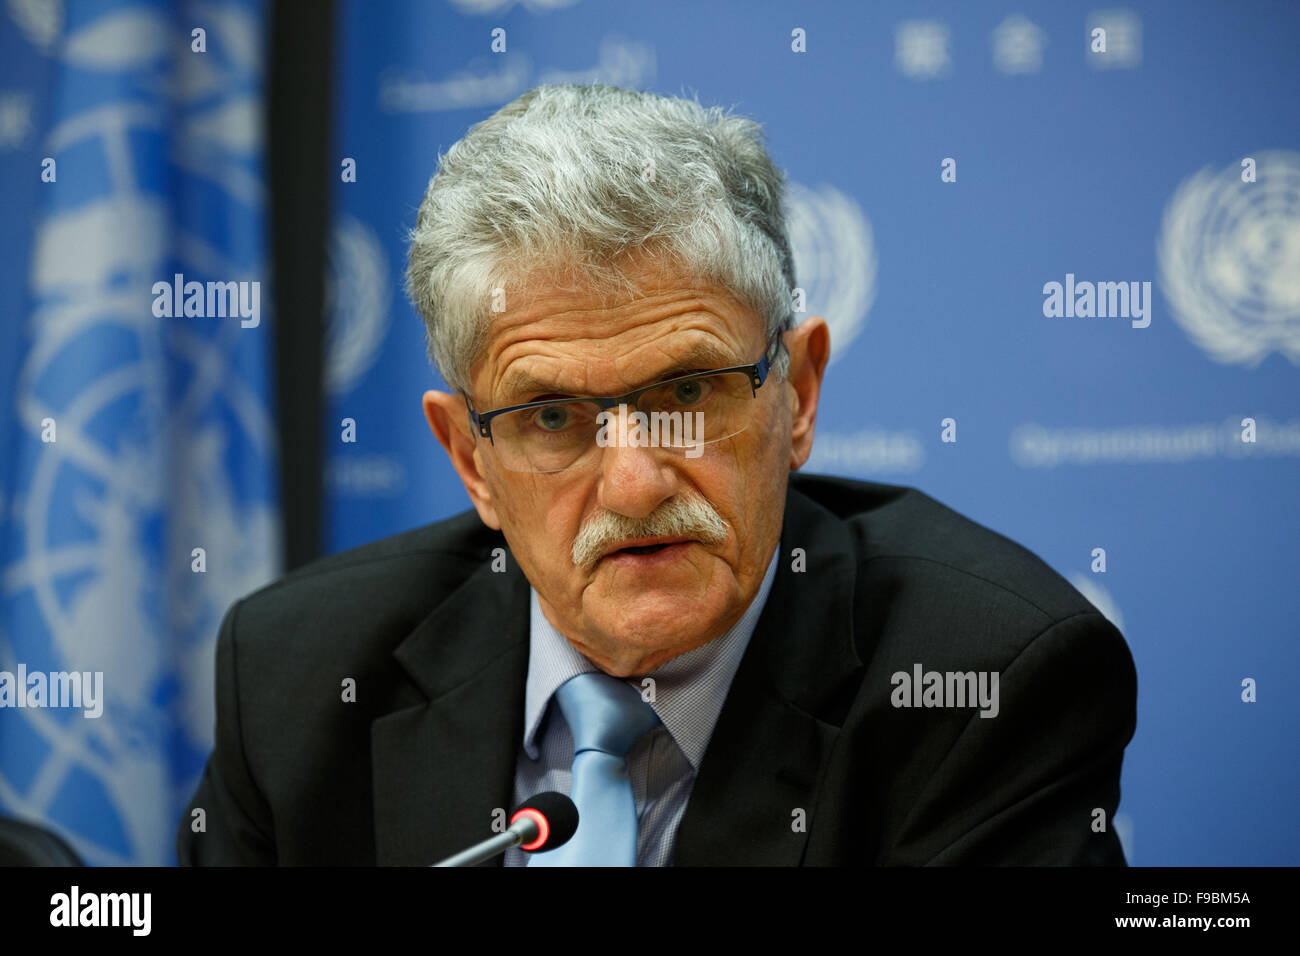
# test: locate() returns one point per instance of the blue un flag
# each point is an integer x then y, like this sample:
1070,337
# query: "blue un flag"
139,474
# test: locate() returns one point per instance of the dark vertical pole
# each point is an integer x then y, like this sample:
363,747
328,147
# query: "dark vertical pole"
300,104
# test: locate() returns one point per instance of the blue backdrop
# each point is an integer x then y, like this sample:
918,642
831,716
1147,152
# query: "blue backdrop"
1072,433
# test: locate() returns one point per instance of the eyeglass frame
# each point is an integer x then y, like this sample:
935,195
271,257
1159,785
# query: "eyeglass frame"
757,372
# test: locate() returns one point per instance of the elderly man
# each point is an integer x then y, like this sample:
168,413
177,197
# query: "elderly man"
722,661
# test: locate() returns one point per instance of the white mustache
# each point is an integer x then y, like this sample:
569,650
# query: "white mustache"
686,516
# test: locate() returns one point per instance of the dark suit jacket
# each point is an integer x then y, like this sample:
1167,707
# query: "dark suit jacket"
437,643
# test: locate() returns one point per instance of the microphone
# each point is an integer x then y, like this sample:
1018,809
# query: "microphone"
543,822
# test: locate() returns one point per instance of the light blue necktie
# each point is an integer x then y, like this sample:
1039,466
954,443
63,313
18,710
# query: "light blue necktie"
606,717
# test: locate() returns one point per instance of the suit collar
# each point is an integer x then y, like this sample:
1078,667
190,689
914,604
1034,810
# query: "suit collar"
444,763
755,797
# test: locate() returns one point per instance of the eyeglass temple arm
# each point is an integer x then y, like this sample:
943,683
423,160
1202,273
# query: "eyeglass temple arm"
483,428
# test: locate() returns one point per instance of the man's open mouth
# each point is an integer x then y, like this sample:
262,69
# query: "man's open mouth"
648,549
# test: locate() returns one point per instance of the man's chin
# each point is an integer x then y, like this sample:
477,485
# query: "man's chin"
654,624
633,603
636,656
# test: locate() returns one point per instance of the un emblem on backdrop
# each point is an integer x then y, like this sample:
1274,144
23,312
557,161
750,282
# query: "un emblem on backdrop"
1229,254
137,513
358,292
834,260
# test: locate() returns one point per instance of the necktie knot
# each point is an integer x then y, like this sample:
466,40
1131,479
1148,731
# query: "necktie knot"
604,713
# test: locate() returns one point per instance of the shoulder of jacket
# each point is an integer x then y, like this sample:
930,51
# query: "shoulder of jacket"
400,577
901,532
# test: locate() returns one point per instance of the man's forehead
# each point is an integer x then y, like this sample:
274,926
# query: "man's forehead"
694,353
559,339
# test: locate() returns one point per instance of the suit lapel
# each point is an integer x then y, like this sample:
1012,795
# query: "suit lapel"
444,762
763,767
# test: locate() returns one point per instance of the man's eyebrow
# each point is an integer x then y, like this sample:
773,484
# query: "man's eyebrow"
700,357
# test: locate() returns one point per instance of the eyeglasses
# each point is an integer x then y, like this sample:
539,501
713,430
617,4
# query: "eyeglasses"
684,413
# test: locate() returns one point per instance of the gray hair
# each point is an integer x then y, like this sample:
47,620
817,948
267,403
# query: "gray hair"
567,183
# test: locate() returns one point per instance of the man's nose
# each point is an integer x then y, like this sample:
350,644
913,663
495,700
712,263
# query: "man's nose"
634,479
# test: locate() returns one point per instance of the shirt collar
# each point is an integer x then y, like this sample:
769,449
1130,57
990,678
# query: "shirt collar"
688,690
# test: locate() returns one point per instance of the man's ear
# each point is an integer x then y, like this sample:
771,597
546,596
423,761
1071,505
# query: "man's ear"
449,420
810,349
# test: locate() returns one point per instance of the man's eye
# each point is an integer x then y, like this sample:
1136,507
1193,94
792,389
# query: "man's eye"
688,393
554,418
